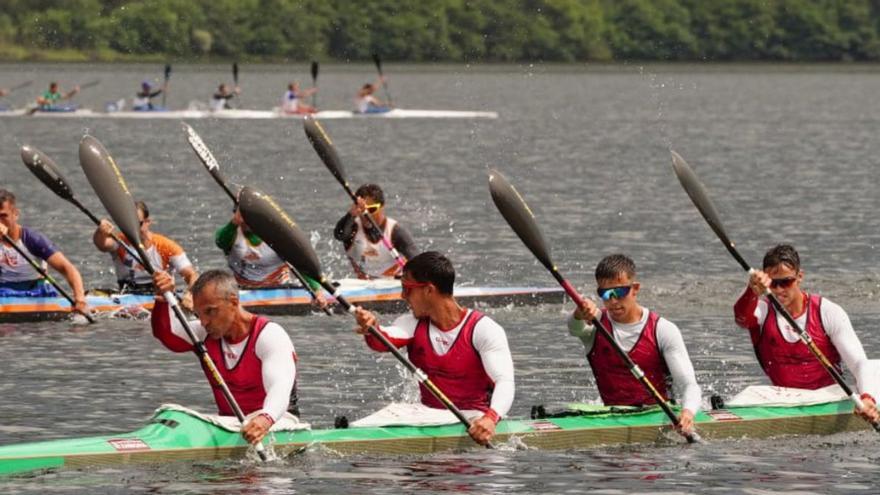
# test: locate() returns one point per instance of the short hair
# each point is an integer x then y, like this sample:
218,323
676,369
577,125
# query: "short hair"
223,280
372,191
782,253
5,196
432,267
140,205
613,265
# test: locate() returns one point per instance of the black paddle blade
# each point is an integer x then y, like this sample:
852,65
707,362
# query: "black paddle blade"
326,151
167,71
90,84
235,73
201,149
314,70
266,219
378,62
520,218
698,194
109,185
45,169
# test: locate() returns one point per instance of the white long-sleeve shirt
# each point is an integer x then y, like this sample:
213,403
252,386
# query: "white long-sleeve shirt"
670,343
489,340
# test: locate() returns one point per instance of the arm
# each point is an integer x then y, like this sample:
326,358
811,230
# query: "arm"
491,342
60,263
745,310
345,230
580,323
72,93
276,351
403,242
671,345
843,336
224,237
166,328
399,333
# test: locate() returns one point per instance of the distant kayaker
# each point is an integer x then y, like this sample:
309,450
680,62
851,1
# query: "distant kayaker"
144,98
363,244
16,274
164,254
463,352
3,92
254,356
785,359
366,101
252,261
53,95
221,99
654,343
292,102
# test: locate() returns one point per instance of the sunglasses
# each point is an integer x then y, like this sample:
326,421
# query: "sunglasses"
617,292
782,283
412,284
373,208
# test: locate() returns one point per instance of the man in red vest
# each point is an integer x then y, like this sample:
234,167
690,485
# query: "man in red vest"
253,355
462,351
653,343
786,360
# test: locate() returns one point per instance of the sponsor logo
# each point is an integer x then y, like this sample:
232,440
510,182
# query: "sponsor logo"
723,415
128,444
544,425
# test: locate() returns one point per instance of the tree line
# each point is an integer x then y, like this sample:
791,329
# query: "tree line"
447,30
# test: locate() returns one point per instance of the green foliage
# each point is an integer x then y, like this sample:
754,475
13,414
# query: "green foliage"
448,30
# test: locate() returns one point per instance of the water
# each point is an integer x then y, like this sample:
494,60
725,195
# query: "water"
787,152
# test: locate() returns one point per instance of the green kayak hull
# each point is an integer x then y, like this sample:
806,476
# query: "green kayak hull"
176,435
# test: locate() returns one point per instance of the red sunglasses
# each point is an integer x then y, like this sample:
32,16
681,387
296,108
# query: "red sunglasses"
411,284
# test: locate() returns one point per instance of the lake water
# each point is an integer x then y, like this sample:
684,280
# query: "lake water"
788,152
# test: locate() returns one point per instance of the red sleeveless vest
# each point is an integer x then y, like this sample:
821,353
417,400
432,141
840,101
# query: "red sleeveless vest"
459,373
617,386
245,379
792,364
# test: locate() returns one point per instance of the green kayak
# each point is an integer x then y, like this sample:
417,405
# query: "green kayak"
175,433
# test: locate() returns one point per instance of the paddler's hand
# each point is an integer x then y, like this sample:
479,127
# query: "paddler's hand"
482,430
588,312
320,300
81,306
237,219
163,282
187,301
869,413
685,422
254,430
4,231
365,320
759,282
105,227
358,208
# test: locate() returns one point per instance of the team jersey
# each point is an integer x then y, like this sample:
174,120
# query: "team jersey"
163,254
14,268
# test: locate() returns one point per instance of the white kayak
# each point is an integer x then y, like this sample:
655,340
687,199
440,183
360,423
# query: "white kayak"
397,113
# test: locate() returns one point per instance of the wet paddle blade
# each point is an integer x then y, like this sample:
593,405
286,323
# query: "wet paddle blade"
279,231
700,197
107,181
45,169
378,62
325,149
167,72
519,216
207,159
235,73
314,71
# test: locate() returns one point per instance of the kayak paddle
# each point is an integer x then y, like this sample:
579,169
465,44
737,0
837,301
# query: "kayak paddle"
327,152
378,62
47,171
213,167
20,86
274,226
109,185
165,86
315,83
520,218
700,197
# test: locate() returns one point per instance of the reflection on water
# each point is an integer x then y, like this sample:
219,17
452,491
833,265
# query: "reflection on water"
789,155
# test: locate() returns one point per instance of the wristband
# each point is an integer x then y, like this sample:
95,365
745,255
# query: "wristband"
866,395
491,414
267,416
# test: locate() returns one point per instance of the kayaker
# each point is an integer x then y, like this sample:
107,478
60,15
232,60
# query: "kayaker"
654,343
785,359
464,352
220,100
53,95
253,355
366,101
163,252
252,261
363,244
16,275
292,102
144,99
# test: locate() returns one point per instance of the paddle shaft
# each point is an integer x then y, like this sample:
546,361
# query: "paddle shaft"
202,352
385,240
315,83
20,86
418,373
165,87
378,63
633,367
113,235
46,276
